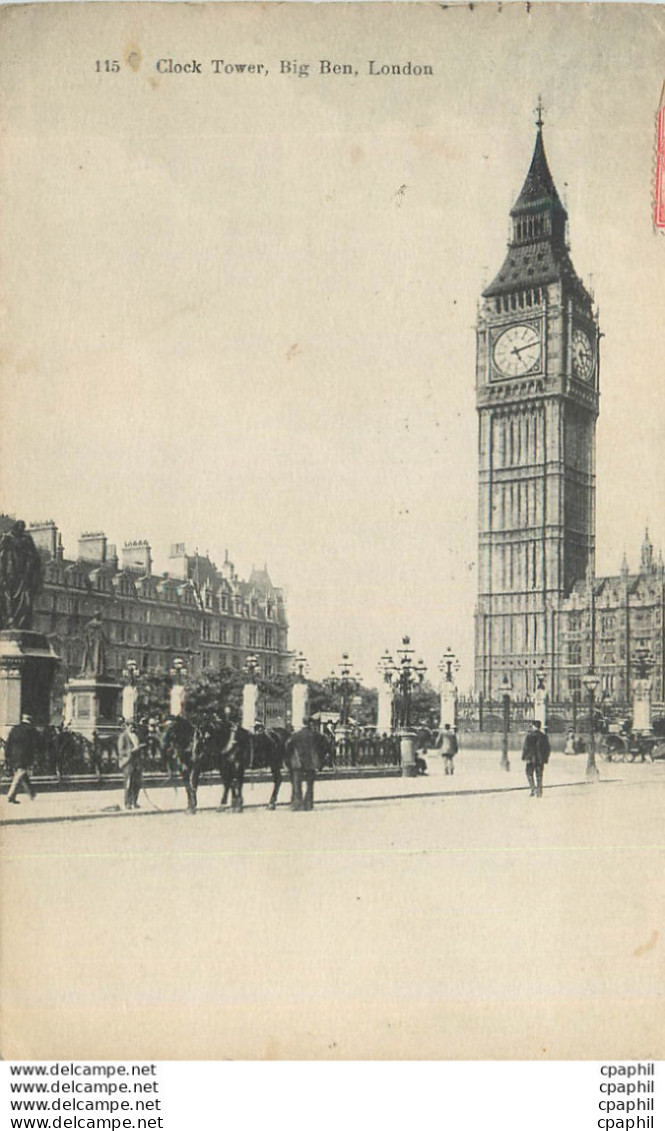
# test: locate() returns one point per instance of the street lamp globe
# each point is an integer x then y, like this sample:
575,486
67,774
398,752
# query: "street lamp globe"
591,682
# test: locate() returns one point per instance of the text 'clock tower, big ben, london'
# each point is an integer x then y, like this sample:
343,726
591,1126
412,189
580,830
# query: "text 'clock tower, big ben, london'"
537,401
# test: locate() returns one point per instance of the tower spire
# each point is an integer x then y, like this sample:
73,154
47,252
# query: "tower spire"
539,113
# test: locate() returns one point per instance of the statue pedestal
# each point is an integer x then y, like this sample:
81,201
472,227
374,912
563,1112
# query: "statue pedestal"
27,667
93,704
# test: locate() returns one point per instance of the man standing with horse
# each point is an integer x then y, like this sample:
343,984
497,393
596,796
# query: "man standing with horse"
182,748
304,755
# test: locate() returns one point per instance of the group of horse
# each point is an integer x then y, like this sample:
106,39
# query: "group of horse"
223,746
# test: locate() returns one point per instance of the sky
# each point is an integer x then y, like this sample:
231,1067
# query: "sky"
238,312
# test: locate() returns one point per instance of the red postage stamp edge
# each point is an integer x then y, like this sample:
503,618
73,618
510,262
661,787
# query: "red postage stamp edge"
659,195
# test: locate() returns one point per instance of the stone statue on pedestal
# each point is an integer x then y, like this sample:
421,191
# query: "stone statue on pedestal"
94,652
21,576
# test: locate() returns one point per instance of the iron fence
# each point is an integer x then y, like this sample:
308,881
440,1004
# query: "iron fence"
481,715
366,750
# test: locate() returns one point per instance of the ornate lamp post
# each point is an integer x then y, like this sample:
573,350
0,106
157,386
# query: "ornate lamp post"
410,675
346,684
591,683
178,694
404,676
447,663
299,692
506,692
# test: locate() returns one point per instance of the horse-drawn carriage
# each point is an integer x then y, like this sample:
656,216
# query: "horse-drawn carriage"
623,746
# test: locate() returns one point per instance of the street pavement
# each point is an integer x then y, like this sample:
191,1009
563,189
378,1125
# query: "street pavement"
435,917
475,771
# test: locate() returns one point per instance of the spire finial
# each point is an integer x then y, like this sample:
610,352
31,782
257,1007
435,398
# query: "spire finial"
539,112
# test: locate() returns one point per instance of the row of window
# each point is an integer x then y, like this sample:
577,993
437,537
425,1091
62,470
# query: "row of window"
251,636
225,603
531,228
518,440
266,666
575,652
519,300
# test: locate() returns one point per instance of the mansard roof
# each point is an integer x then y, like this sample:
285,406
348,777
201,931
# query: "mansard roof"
260,579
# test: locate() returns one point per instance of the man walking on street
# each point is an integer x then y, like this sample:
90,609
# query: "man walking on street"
24,744
129,761
536,755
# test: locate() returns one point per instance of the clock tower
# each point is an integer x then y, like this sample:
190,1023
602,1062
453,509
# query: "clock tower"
537,396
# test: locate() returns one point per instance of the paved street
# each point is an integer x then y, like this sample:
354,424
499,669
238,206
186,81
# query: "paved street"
436,917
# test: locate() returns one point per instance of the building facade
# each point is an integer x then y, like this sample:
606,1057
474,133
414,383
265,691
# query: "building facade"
541,608
205,616
613,624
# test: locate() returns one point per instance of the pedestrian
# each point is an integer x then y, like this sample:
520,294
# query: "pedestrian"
24,745
449,748
536,755
130,762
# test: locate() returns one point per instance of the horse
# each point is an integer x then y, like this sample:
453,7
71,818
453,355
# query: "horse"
182,753
268,752
304,755
68,752
233,756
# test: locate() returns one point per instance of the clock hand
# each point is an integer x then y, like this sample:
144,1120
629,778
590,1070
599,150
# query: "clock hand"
520,349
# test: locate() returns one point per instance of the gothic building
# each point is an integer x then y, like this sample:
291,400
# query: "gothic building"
205,616
613,624
540,605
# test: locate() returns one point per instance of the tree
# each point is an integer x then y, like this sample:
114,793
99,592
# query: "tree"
213,690
153,693
425,705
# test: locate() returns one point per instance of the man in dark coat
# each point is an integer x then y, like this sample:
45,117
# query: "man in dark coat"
536,755
24,744
304,755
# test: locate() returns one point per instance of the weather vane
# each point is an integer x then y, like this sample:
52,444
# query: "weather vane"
539,112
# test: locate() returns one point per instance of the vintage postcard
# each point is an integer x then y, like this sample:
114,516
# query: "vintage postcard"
332,641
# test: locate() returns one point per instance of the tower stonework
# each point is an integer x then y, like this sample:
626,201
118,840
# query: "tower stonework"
537,396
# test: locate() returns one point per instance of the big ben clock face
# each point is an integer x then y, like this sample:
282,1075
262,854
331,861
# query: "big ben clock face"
517,351
582,356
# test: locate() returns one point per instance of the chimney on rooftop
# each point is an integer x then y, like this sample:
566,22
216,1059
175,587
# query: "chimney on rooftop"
92,547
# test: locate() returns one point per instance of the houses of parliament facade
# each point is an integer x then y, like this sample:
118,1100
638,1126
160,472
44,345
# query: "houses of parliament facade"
542,613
